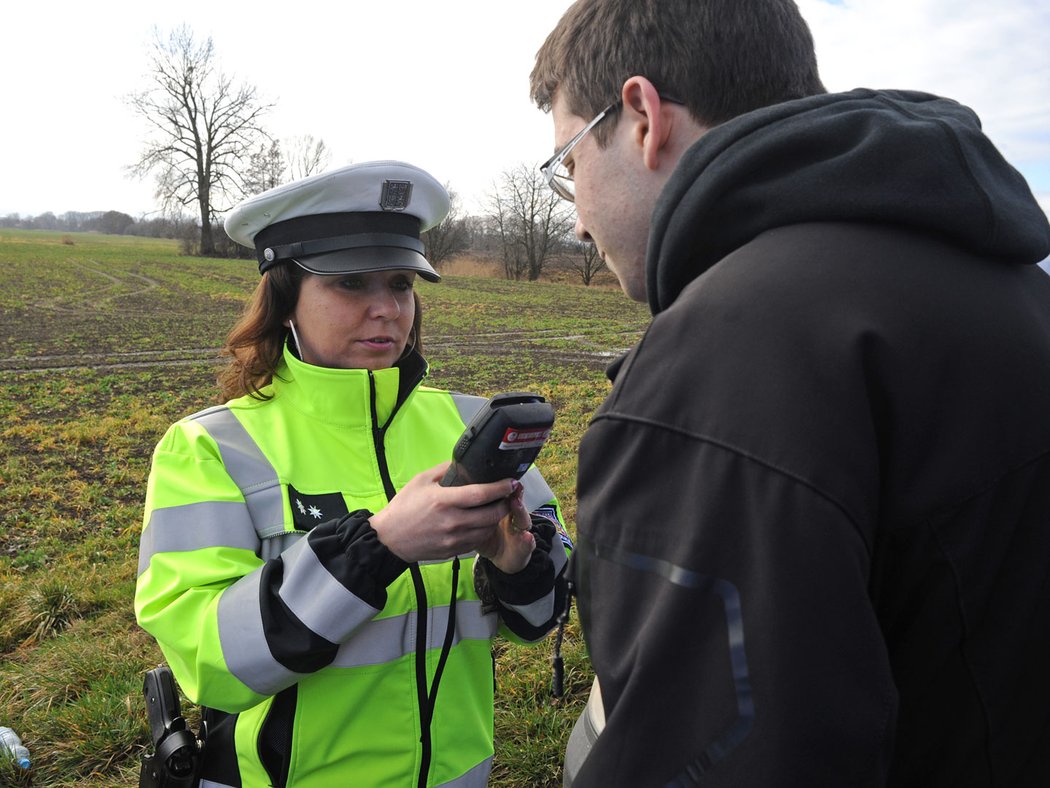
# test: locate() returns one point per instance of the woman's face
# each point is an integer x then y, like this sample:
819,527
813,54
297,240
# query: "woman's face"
354,321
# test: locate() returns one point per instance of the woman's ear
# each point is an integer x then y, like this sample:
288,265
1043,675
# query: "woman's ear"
652,122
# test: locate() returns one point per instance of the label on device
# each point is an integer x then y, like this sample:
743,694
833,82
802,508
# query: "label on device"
515,438
502,439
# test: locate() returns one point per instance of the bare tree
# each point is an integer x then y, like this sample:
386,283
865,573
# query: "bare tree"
265,170
306,156
481,235
204,129
268,166
448,237
583,258
530,220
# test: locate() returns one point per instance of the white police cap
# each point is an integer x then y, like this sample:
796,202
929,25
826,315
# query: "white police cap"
356,219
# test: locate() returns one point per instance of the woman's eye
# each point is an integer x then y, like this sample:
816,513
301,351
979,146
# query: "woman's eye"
351,283
401,285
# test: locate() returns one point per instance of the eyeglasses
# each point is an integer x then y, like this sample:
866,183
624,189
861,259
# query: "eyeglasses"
557,172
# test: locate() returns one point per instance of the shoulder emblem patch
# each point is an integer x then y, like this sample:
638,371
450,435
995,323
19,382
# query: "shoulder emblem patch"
309,511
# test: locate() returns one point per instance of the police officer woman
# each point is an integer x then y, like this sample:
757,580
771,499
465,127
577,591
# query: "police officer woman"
307,578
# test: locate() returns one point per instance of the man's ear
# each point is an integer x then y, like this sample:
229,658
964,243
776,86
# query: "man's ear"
653,122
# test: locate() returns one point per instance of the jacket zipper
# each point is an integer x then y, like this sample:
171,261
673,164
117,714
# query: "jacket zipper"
422,693
422,696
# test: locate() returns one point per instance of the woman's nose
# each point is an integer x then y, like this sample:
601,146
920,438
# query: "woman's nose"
383,303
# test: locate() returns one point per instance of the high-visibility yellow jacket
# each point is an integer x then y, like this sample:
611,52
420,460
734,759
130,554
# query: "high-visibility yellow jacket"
327,660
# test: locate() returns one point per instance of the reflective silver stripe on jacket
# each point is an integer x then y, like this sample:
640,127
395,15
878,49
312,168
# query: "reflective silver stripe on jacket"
386,639
225,523
558,554
243,639
194,526
478,777
374,642
248,467
317,599
276,545
536,613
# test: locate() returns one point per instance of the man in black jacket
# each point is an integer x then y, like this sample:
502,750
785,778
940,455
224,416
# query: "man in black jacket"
814,512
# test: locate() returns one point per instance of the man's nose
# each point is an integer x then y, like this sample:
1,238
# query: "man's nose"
581,231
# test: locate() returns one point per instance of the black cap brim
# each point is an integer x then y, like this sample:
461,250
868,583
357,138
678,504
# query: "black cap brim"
369,259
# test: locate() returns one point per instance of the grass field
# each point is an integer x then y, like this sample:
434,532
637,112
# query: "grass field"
106,340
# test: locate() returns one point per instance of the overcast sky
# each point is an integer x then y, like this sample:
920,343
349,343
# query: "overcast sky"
442,85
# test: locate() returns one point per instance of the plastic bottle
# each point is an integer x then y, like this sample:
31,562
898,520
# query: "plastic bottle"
11,746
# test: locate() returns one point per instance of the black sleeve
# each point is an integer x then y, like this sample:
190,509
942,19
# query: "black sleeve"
539,586
350,551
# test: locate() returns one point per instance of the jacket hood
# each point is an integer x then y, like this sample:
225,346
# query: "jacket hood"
898,157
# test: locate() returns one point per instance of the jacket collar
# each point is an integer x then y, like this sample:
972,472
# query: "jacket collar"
343,397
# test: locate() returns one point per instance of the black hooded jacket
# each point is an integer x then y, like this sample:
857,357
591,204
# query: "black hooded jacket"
814,512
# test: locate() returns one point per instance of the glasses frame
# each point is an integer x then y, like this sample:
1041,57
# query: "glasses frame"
549,168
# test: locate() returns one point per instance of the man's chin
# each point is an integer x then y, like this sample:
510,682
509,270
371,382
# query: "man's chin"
634,289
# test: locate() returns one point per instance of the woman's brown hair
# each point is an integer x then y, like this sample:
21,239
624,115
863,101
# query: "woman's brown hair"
256,341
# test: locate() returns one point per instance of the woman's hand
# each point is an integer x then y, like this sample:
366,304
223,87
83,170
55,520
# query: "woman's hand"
511,544
426,521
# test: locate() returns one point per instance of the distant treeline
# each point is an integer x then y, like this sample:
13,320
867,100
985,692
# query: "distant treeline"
183,229
529,231
110,222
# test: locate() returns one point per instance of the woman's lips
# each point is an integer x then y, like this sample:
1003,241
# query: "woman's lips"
377,342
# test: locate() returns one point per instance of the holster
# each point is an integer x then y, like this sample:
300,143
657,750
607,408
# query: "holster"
176,757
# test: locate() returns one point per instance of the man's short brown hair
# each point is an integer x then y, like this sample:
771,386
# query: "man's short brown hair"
721,57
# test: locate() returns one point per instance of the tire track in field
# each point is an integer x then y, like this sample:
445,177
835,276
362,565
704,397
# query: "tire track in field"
88,300
491,343
66,362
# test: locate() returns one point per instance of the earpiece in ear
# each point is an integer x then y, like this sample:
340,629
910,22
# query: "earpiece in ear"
295,337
